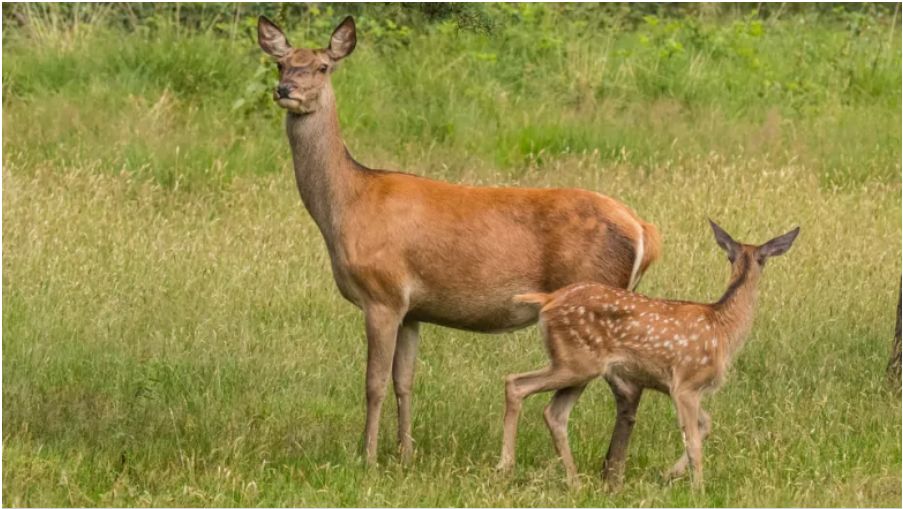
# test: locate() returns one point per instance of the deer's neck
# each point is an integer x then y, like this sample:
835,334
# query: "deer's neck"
735,310
327,177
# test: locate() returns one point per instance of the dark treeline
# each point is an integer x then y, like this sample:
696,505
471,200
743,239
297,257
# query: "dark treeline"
467,16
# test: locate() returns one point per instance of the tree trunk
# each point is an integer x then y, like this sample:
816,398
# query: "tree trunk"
893,367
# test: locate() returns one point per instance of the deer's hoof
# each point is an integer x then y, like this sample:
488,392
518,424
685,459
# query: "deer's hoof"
697,486
504,466
574,483
406,456
369,461
674,474
613,481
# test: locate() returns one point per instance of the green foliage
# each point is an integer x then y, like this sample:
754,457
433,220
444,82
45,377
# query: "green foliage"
655,83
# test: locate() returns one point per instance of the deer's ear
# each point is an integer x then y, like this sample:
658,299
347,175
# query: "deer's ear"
343,40
725,241
778,245
271,39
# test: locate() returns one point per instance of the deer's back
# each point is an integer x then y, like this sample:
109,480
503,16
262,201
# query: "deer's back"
653,342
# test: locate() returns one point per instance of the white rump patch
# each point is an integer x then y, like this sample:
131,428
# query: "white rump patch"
635,273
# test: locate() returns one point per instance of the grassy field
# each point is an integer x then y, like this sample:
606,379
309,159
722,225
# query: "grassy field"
171,330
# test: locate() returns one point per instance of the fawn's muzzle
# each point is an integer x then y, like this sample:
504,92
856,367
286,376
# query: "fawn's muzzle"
283,91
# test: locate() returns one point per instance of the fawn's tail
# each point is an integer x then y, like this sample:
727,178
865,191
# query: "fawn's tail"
539,299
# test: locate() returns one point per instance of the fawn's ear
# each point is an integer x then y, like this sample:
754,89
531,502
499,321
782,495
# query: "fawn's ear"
343,40
778,245
271,39
724,240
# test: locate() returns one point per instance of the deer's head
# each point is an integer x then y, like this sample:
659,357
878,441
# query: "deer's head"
750,259
304,73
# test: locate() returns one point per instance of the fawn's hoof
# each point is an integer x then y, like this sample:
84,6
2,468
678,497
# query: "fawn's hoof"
678,470
613,481
612,486
697,486
673,474
574,482
504,466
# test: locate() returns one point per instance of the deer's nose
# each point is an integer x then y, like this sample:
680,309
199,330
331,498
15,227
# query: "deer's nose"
283,91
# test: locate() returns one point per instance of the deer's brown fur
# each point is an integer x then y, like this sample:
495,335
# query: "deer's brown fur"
680,348
407,249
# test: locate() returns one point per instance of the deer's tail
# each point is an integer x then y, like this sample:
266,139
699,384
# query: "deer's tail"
539,299
653,245
648,249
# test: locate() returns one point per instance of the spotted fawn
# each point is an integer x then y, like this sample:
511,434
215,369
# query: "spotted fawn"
680,348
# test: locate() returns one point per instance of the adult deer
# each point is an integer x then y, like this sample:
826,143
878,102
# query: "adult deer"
407,249
680,348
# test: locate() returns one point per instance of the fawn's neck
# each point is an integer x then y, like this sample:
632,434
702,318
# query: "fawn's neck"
735,310
327,176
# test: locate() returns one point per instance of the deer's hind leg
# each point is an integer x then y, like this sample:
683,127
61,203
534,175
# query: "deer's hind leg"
627,398
518,388
557,414
403,378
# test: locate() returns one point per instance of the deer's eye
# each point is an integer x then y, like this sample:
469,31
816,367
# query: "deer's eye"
323,68
280,66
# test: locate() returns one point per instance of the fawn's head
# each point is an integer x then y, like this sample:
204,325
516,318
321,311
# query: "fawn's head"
750,259
304,73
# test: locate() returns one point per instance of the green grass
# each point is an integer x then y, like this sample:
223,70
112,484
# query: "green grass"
171,330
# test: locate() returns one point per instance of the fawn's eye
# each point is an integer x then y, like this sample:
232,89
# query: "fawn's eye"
323,68
280,66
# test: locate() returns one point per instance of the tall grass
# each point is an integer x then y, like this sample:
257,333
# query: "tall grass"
172,334
545,82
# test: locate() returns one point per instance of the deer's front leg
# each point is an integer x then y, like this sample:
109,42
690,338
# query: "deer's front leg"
403,377
382,332
688,414
680,467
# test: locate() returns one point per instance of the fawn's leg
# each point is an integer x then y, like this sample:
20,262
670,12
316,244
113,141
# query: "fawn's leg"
517,388
680,467
557,413
627,398
688,414
382,332
403,377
